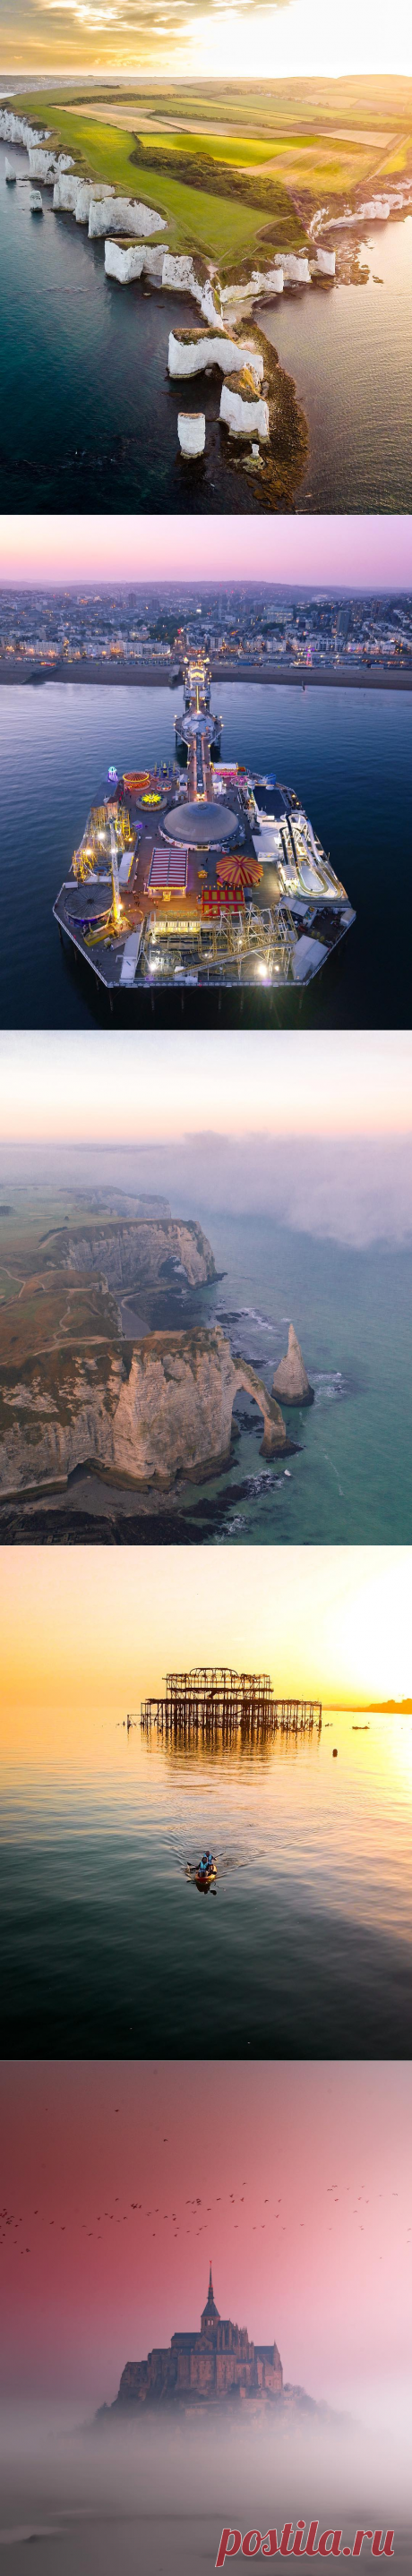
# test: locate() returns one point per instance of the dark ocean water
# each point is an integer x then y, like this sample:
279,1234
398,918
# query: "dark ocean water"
347,752
89,419
305,1949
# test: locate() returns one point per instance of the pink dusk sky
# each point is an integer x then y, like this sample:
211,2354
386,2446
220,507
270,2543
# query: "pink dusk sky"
117,2189
366,552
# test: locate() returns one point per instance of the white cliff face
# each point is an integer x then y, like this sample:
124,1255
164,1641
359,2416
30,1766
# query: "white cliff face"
191,431
15,129
42,165
243,419
133,1254
326,262
262,281
73,195
126,263
296,269
118,214
291,1382
176,274
189,357
163,1409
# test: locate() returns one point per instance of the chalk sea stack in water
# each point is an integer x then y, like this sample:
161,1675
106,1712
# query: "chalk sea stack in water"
291,1382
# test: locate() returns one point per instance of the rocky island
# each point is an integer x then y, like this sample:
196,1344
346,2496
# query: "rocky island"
214,2366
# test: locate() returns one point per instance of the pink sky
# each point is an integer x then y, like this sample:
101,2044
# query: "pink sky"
363,551
298,2184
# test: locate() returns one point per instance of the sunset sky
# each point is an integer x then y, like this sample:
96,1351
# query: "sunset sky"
308,2166
135,1086
365,550
81,1634
128,35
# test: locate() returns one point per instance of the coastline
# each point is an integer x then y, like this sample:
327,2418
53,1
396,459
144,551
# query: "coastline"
148,675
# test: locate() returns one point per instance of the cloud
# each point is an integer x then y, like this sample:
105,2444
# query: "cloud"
352,1192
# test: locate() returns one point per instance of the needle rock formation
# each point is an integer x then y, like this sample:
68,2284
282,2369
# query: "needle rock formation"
291,1382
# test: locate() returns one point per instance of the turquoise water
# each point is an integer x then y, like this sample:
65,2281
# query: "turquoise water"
348,753
305,1949
350,1481
89,418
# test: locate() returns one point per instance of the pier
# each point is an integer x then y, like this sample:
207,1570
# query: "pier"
213,1700
198,872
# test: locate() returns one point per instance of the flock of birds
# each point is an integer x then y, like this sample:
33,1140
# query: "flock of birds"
13,2228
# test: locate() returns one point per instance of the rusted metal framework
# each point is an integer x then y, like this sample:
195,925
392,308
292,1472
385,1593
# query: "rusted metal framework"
212,1699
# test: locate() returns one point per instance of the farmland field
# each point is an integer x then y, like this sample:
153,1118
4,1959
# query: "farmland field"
300,143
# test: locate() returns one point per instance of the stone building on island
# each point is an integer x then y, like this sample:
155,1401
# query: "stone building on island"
209,2366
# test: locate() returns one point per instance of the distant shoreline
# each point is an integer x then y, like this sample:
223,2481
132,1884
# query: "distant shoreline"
149,675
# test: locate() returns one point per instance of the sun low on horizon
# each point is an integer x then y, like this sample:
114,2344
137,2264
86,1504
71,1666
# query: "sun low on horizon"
82,1636
48,37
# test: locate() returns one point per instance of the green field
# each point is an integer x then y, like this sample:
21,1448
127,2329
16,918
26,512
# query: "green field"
222,229
301,144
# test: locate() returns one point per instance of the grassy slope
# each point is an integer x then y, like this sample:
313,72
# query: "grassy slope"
224,230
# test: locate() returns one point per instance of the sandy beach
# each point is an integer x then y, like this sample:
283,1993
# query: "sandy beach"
146,675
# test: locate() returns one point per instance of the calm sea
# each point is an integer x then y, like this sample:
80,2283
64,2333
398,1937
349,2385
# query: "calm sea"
108,1949
347,752
89,418
348,353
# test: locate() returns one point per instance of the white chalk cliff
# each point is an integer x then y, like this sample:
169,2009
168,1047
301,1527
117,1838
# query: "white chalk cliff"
326,262
191,431
133,1253
243,417
125,262
189,357
120,214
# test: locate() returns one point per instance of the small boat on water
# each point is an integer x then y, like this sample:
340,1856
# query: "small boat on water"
206,1870
36,202
10,174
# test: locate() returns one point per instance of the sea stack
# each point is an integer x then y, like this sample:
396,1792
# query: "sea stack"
290,1382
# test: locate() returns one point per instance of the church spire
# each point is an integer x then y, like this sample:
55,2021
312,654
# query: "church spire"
210,2313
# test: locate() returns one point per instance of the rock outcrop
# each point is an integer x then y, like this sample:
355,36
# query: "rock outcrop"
42,165
111,214
177,274
136,1253
242,415
125,261
262,281
291,1382
74,196
142,1414
190,353
296,268
191,431
326,262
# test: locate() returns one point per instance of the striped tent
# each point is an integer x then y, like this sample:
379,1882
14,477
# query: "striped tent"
238,871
